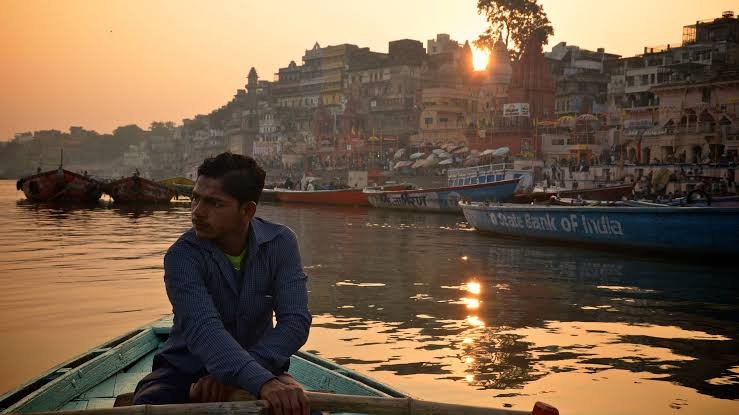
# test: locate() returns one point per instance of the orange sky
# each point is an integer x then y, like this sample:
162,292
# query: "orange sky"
101,64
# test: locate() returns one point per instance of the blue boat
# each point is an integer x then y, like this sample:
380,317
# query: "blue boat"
693,230
442,199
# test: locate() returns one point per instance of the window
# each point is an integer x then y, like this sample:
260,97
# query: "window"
706,95
429,121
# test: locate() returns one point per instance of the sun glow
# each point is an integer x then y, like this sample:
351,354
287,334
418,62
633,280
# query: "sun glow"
480,59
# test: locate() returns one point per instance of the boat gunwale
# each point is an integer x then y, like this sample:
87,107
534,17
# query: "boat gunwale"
90,359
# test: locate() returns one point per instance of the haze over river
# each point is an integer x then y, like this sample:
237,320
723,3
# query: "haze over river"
418,301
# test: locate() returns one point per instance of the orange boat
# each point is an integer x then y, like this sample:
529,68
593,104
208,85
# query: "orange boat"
135,189
60,186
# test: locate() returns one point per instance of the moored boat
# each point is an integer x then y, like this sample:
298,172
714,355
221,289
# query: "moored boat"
346,197
442,199
268,195
487,173
692,230
135,189
60,186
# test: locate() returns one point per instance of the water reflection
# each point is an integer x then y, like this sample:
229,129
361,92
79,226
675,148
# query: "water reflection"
421,301
496,309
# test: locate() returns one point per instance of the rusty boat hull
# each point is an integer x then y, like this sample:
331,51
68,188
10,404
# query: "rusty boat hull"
139,190
60,186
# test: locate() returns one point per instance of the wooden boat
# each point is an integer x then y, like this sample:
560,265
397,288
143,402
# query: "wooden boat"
91,382
606,193
135,189
442,199
60,186
94,379
691,230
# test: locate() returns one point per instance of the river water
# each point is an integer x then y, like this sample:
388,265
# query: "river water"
419,301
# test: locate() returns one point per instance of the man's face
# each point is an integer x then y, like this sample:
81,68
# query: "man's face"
216,214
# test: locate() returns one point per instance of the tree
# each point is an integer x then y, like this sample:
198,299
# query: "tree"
162,129
515,20
123,137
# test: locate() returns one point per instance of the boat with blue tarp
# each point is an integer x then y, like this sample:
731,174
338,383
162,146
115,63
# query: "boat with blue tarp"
442,199
688,229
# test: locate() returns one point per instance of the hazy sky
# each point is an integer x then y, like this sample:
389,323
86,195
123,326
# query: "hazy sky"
102,64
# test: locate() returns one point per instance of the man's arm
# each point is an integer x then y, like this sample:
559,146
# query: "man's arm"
290,306
206,337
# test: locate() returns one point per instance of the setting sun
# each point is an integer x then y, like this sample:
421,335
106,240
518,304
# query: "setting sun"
480,59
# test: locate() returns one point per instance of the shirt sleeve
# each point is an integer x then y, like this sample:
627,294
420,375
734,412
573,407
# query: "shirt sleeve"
206,337
291,307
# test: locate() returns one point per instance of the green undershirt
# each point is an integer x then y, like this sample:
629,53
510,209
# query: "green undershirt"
236,260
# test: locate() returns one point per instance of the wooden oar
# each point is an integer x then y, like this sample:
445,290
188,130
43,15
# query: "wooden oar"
399,406
243,403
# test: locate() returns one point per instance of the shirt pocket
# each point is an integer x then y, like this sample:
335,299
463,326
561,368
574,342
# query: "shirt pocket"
264,283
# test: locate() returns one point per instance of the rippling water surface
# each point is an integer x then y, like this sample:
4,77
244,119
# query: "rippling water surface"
418,301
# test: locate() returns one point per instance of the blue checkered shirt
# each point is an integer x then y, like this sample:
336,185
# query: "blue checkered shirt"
228,331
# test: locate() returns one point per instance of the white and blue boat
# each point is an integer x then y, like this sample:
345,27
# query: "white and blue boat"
692,230
442,199
488,173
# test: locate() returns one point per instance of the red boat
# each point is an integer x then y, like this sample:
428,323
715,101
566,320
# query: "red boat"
60,186
608,193
345,197
135,189
350,197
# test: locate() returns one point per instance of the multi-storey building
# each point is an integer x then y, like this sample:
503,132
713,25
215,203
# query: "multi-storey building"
707,57
384,89
581,77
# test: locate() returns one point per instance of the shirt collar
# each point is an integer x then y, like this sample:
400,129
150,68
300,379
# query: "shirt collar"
260,232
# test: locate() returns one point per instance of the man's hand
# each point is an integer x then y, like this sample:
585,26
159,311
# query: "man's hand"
285,396
209,390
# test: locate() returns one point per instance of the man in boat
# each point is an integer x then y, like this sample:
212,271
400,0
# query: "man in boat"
225,277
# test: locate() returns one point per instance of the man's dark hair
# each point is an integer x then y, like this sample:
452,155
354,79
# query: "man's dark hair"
240,176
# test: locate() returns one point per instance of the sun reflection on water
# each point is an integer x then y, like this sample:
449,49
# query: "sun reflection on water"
471,303
473,287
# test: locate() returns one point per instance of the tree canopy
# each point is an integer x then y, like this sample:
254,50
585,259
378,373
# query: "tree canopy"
516,21
162,129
